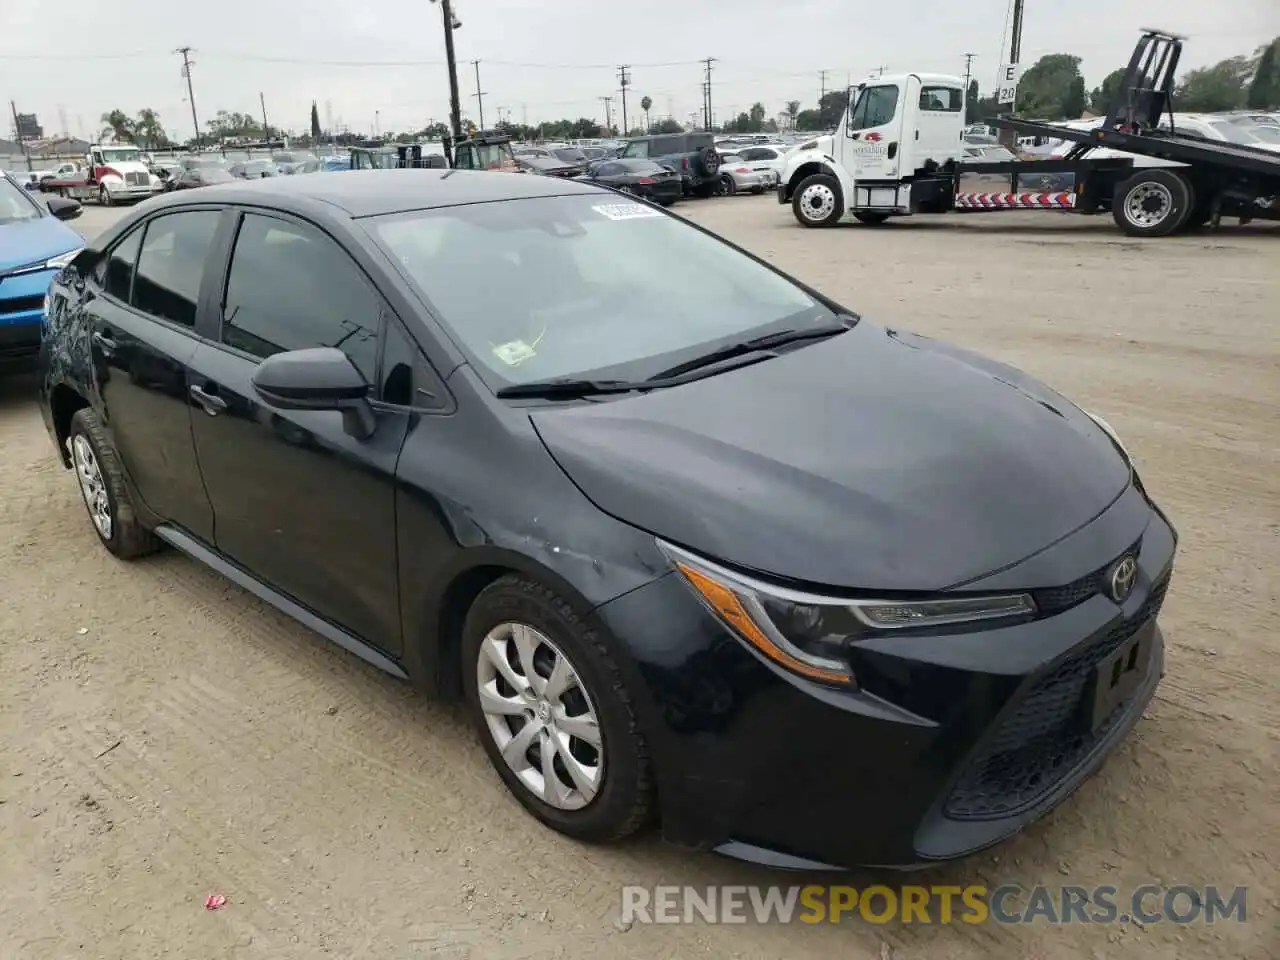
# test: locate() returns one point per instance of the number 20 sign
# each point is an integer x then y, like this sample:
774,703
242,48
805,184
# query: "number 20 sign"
1007,84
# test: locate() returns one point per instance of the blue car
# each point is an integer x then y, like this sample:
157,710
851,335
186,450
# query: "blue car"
34,245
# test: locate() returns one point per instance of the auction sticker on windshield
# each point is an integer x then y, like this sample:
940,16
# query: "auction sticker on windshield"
626,211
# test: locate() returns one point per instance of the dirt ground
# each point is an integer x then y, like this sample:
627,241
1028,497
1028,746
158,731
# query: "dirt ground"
164,736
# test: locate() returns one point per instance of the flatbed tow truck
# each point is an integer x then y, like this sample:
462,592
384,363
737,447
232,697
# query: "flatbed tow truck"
899,154
112,173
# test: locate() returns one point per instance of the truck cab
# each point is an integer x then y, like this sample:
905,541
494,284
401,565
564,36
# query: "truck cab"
894,153
485,151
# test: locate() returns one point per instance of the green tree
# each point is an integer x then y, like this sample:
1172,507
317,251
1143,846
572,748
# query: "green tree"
315,122
831,109
645,104
971,98
667,125
1264,89
148,129
793,111
117,125
1215,88
807,120
1044,88
1103,96
756,117
1075,100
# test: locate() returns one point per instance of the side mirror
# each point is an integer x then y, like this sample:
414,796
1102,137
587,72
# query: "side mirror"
64,208
318,378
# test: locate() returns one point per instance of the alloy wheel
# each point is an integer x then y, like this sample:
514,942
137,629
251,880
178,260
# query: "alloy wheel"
540,716
817,201
1148,204
92,485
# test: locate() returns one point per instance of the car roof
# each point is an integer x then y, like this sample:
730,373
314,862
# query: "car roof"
370,193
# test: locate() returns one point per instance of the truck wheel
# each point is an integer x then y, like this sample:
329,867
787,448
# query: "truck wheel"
1152,203
870,218
817,201
104,196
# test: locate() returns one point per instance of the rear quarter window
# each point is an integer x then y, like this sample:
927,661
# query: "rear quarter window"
665,146
700,141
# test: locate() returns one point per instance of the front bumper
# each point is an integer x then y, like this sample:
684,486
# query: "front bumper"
952,744
21,315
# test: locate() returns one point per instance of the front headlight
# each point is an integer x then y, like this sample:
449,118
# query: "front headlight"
1110,432
810,634
63,259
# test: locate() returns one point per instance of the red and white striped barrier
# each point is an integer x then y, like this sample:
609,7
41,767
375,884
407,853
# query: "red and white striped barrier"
1012,201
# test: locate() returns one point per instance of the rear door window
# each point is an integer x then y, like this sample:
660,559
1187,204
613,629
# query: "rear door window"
941,99
171,265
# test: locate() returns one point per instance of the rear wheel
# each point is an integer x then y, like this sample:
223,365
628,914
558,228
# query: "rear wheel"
554,713
870,218
817,201
727,186
103,488
1152,203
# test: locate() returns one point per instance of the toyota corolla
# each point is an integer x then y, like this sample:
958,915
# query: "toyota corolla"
694,542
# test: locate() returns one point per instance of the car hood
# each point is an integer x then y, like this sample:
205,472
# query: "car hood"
34,241
875,460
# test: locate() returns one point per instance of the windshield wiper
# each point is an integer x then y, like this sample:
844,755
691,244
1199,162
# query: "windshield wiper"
757,344
570,387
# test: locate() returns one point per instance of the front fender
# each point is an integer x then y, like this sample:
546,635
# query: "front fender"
806,165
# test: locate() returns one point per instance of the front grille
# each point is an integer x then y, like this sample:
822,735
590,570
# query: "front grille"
1054,600
137,179
1047,735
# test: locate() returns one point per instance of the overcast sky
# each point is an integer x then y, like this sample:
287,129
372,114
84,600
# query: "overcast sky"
384,60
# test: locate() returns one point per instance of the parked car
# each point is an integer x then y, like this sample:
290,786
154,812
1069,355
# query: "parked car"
736,174
692,155
288,161
254,169
619,506
34,245
644,178
327,164
769,158
200,177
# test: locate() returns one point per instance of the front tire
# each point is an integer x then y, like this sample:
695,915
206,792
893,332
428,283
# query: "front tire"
103,489
727,186
817,201
554,713
1152,203
104,196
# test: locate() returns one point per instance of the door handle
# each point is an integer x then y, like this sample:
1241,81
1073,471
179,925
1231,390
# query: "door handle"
211,402
106,343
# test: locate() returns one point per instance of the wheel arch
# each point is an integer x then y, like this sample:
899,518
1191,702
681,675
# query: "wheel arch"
64,402
435,618
808,169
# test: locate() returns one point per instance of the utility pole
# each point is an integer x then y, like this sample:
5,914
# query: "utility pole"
191,96
706,110
968,75
608,114
880,71
17,133
1009,138
822,87
266,130
451,23
479,94
624,79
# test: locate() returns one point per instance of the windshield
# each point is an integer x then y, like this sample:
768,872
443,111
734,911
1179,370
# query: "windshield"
585,285
571,155
1234,132
15,205
118,155
1265,133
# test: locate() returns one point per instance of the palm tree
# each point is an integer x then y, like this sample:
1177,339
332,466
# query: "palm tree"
793,111
117,125
147,127
645,104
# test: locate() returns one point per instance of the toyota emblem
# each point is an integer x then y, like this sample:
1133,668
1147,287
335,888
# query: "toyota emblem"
1121,580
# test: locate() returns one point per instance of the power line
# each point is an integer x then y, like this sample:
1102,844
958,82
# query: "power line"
479,94
191,96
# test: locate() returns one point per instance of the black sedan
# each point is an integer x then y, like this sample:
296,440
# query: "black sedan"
202,176
644,178
254,169
689,538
